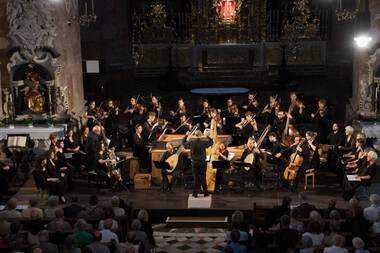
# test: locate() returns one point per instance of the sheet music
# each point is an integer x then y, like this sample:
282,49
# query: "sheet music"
17,141
230,156
352,178
68,155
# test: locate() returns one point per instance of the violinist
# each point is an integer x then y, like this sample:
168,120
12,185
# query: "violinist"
181,109
270,110
156,107
205,112
213,116
150,127
253,174
132,107
231,111
252,105
297,108
321,121
248,127
111,114
183,125
92,115
140,117
222,156
166,185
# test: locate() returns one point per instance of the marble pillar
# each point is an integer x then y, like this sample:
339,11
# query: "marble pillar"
5,45
364,90
67,43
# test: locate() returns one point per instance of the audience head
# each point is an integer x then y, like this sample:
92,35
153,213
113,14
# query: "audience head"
136,225
97,236
314,227
372,215
372,156
109,212
294,213
131,236
307,242
375,199
35,214
235,235
52,201
11,204
237,219
315,216
335,226
59,213
33,202
143,215
115,201
37,250
332,203
108,224
285,221
69,242
43,236
338,240
334,215
81,225
358,243
93,200
349,130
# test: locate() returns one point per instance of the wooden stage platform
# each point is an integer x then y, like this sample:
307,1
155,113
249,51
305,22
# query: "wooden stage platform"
154,199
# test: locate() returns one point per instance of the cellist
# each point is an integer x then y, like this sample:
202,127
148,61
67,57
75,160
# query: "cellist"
254,173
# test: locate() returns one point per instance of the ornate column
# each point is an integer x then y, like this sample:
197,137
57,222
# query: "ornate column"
363,100
4,47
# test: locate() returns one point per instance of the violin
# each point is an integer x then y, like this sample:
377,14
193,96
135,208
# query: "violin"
232,108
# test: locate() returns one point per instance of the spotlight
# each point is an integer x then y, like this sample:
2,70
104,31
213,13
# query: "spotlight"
362,41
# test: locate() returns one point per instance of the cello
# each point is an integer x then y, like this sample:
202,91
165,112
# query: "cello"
289,132
296,160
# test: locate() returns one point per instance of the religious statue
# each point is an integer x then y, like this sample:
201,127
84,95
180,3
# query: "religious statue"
34,93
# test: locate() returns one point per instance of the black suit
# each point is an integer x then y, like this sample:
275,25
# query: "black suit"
140,151
198,161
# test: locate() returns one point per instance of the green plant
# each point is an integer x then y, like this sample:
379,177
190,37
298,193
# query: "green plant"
50,119
29,121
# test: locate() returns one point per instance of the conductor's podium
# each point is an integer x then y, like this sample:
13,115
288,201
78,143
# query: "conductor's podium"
159,148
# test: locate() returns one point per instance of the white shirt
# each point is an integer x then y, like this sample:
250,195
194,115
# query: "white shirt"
118,211
316,238
335,249
108,235
369,210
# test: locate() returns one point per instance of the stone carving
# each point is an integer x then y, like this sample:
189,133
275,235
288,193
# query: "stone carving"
71,4
366,99
31,25
61,99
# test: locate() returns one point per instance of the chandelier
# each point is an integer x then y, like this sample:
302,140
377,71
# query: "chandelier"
85,19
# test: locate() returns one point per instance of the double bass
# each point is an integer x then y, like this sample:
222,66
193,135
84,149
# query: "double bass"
296,160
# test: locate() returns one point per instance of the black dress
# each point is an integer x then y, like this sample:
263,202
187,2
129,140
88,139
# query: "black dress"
55,188
75,160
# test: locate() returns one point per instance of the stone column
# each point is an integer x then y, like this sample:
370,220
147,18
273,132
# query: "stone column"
68,44
363,93
4,47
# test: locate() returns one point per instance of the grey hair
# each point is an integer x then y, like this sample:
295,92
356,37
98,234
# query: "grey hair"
358,243
143,215
350,129
338,240
136,225
115,201
375,199
52,201
43,236
81,225
372,155
307,242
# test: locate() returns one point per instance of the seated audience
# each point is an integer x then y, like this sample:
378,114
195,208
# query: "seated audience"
328,240
45,245
69,245
59,217
107,234
10,211
304,208
375,205
52,203
93,209
314,232
5,226
129,244
307,244
115,202
96,245
74,209
234,244
108,214
294,222
58,236
338,245
82,237
238,223
146,226
14,235
286,237
140,235
358,245
33,202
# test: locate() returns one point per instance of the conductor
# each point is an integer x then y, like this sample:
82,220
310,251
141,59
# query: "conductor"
198,147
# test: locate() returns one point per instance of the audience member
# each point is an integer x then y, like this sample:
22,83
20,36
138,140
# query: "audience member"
294,222
107,234
74,209
334,226
52,203
33,202
314,232
276,212
93,210
238,223
108,214
338,245
307,245
234,244
69,245
82,237
375,205
45,245
146,226
129,244
331,205
286,237
140,235
4,224
59,217
10,209
304,208
96,246
14,235
58,236
115,202
359,244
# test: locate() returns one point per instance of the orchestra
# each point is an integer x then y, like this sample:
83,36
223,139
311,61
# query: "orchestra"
293,145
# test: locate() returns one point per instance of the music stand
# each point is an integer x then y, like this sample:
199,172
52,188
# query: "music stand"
162,166
221,164
241,164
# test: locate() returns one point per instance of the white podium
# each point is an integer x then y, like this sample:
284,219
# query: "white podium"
200,202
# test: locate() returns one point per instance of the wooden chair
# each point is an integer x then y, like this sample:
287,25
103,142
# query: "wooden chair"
310,173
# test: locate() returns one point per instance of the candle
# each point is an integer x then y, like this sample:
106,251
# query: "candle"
85,7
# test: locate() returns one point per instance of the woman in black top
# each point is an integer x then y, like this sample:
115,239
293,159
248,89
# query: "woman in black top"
349,141
61,162
72,146
59,187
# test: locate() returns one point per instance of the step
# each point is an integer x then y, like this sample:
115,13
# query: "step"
196,222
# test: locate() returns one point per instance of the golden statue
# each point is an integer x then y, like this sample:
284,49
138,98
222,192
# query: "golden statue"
34,92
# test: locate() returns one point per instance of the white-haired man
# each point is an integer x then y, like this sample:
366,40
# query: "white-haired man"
375,206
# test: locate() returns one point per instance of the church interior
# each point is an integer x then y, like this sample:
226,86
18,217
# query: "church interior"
189,126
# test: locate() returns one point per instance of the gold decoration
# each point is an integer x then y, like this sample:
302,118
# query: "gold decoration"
34,93
154,26
301,25
345,14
